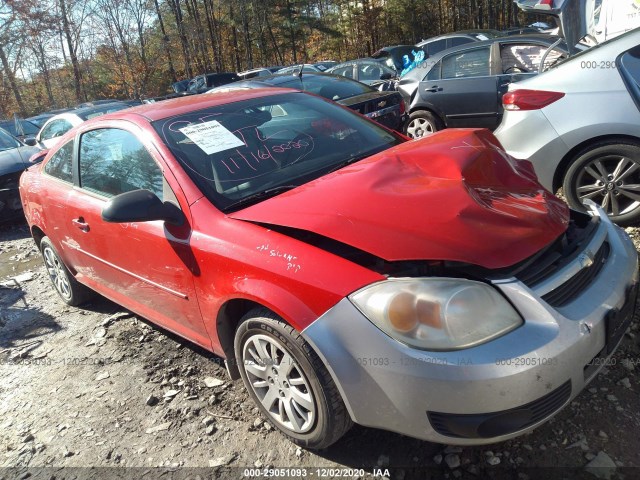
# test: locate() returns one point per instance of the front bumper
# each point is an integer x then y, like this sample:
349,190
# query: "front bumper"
491,392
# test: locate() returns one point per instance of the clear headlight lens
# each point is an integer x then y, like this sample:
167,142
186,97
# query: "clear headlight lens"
437,313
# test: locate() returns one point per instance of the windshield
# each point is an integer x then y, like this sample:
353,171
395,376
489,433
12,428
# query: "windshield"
241,153
7,142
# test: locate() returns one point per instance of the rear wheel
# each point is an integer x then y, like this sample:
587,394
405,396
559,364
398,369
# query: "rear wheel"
421,123
70,290
289,382
609,174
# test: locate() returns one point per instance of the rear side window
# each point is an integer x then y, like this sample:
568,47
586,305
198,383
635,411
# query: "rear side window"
59,165
471,63
436,46
344,71
114,161
434,73
457,41
629,67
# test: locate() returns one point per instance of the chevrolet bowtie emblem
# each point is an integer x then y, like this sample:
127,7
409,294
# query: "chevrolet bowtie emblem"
382,104
586,259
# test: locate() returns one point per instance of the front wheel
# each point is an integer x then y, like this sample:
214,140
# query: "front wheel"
289,382
422,123
609,174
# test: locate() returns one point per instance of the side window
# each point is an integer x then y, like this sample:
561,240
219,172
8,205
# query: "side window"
434,73
344,71
525,58
56,128
456,41
472,63
436,46
369,72
59,165
114,161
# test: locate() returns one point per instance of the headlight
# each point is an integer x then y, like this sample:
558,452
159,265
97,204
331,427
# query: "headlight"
437,313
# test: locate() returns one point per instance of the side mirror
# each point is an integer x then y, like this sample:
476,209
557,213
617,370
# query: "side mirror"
31,141
140,206
386,76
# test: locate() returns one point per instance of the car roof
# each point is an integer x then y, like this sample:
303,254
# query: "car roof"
178,106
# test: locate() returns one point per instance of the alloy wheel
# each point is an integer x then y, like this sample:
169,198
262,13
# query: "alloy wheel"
57,273
279,383
419,127
613,182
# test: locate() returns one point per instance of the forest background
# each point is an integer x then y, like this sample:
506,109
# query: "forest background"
59,53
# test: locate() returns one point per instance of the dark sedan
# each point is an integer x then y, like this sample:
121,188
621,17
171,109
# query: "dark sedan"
19,128
386,108
14,159
463,86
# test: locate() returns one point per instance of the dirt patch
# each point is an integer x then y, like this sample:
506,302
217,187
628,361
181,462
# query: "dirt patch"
98,388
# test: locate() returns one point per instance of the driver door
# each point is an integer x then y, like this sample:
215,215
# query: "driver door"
147,267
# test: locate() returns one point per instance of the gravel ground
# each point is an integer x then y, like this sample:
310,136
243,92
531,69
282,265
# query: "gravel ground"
100,389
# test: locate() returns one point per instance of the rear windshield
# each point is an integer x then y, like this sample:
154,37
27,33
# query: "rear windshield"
25,128
333,88
241,153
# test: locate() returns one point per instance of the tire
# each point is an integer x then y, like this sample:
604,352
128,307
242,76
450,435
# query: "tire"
69,289
609,174
421,123
310,412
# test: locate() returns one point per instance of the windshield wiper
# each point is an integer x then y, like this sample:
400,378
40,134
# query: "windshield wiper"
349,161
256,197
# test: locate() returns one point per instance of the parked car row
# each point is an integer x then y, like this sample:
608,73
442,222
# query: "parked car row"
386,108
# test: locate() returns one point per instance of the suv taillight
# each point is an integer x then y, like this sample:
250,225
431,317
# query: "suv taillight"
529,99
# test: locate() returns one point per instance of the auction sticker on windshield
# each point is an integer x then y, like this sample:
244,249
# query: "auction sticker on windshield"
211,137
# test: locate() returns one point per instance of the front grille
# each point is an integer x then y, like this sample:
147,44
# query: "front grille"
488,425
569,290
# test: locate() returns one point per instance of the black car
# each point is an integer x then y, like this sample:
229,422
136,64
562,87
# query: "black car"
385,108
202,83
14,159
463,86
19,128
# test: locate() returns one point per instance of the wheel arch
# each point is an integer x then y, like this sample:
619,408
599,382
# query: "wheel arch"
231,312
428,108
227,322
38,234
566,161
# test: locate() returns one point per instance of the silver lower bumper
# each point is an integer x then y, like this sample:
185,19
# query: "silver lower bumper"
386,384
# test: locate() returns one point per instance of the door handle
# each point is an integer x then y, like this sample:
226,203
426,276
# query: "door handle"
434,89
81,224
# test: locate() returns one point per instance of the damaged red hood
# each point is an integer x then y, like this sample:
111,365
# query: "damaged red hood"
454,195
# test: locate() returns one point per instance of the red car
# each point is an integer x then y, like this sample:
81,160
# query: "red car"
431,287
